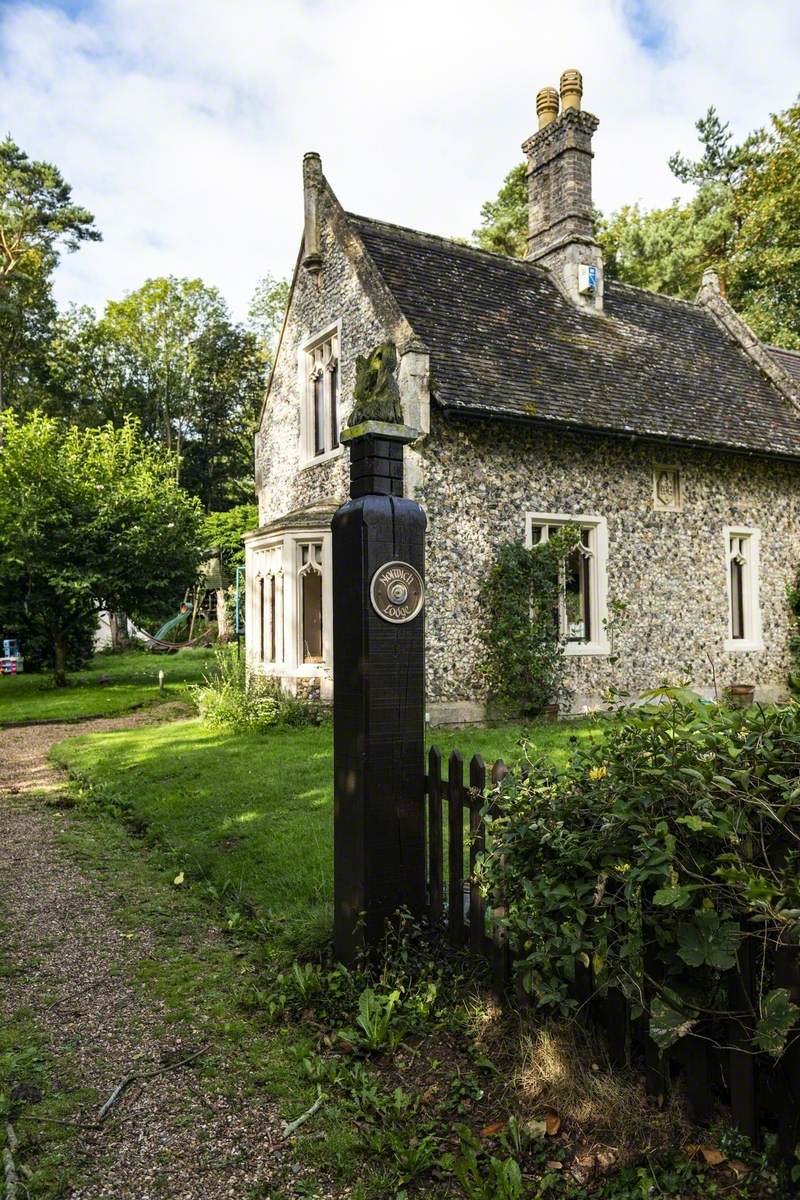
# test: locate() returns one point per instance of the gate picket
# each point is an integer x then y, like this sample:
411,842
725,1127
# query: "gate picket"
455,851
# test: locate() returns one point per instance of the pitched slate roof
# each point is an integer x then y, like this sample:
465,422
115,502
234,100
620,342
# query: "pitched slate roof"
505,342
788,359
316,515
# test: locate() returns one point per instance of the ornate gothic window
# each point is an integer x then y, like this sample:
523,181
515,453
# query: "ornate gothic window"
310,580
581,608
321,424
744,617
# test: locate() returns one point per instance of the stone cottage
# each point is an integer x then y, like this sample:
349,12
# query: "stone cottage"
543,394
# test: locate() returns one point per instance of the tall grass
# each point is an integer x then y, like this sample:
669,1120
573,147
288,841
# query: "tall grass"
234,699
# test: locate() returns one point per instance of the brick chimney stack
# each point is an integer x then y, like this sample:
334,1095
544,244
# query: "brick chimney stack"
560,226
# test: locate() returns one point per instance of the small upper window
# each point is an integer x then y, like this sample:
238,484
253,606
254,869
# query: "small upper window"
744,617
322,397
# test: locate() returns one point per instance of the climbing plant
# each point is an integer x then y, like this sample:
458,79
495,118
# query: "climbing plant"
524,661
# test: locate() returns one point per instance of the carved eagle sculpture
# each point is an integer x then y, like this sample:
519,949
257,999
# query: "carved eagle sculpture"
376,396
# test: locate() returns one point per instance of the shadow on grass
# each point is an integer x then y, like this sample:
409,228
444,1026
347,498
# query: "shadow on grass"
253,813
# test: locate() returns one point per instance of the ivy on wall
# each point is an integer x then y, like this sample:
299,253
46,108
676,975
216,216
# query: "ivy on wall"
524,663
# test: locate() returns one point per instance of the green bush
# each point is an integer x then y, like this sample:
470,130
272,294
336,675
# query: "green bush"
36,639
660,851
231,699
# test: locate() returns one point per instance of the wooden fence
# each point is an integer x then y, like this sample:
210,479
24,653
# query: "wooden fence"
757,1089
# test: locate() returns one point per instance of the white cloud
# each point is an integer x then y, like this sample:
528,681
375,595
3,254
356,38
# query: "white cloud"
182,125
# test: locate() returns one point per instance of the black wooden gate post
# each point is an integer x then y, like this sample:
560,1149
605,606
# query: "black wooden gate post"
379,691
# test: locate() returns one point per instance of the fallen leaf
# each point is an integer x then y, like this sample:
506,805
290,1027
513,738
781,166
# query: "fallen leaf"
712,1157
554,1165
178,880
493,1128
552,1122
739,1168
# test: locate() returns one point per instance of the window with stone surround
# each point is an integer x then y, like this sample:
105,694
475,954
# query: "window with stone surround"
269,584
583,596
742,547
290,603
319,425
309,576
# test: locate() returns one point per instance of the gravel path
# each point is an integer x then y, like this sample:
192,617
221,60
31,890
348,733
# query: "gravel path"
170,1137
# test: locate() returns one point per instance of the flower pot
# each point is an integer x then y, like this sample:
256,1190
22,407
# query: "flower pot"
741,695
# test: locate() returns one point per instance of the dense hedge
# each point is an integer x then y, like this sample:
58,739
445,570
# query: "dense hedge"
678,833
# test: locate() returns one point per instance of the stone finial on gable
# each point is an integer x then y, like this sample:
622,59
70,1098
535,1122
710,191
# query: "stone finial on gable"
312,186
710,285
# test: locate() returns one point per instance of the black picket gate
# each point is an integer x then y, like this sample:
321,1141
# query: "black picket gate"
758,1090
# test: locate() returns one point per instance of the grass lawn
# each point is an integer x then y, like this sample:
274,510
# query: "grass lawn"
131,682
253,813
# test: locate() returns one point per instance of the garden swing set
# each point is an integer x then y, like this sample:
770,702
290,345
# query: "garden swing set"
158,643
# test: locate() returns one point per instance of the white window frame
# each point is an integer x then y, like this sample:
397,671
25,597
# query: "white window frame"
304,373
752,605
280,555
598,598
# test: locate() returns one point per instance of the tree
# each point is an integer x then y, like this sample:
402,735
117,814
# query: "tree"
170,355
90,519
27,315
504,220
227,389
223,531
763,268
156,327
38,218
93,376
266,312
667,249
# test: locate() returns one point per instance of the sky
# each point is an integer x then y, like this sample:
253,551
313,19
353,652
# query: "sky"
181,124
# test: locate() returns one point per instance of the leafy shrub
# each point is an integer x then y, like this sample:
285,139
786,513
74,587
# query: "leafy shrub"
230,698
524,664
36,638
663,850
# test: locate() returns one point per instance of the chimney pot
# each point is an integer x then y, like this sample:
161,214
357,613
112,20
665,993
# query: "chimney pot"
312,184
571,90
546,106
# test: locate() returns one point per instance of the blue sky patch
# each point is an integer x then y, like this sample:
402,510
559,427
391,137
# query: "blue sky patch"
648,24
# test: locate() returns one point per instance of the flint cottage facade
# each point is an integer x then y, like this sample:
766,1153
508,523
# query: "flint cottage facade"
543,394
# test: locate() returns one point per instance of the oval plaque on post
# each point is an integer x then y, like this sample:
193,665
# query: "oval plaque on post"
397,592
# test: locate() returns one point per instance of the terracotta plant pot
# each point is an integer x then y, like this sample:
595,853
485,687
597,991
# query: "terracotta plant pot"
741,694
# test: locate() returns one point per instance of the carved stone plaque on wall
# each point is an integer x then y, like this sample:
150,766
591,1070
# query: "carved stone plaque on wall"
397,592
667,489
